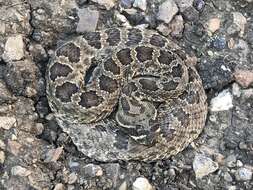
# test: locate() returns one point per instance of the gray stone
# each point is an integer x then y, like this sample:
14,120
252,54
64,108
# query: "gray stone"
231,161
87,20
203,166
92,170
227,177
243,174
126,3
167,10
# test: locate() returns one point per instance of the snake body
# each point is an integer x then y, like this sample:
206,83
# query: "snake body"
126,94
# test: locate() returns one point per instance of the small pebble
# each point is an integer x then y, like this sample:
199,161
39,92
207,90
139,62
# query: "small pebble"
199,4
244,77
223,101
127,4
59,186
243,174
14,147
227,177
203,166
92,170
142,183
7,122
2,145
72,178
141,4
87,20
20,171
176,26
239,22
213,25
123,186
239,163
14,48
2,157
184,4
53,155
231,161
219,42
107,3
236,90
167,10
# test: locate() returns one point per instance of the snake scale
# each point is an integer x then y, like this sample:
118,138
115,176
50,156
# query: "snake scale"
126,94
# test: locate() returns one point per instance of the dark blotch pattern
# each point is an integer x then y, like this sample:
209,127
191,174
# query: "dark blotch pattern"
192,74
108,84
111,66
125,105
113,38
59,70
93,39
90,99
157,40
148,84
129,88
134,37
144,53
171,85
65,91
177,71
165,57
69,50
124,56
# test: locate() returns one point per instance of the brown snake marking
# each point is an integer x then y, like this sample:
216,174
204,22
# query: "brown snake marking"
126,94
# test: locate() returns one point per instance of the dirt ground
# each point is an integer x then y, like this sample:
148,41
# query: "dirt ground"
36,154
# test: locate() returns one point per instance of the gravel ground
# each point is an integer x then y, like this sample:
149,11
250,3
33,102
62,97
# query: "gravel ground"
36,154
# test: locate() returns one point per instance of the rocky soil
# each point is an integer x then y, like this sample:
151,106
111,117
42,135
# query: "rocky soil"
36,155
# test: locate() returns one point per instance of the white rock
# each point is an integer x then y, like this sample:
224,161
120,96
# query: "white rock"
236,90
243,174
203,166
2,157
123,186
7,122
222,102
87,20
141,4
142,183
167,11
14,48
107,3
2,145
20,171
59,186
